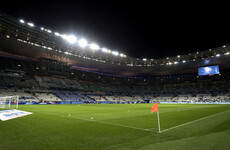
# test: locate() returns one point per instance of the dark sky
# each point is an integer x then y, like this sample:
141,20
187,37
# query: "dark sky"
139,29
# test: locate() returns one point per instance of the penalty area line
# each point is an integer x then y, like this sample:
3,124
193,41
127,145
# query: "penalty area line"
193,121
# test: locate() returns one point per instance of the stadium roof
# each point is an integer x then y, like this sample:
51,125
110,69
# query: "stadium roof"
139,30
24,37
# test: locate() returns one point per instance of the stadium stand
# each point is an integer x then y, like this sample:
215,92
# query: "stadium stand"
50,70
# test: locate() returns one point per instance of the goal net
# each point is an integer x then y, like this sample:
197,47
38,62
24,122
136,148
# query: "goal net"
9,102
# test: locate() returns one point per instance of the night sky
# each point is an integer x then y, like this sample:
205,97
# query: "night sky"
138,29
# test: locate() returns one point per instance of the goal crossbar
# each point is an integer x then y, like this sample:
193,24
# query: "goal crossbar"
7,100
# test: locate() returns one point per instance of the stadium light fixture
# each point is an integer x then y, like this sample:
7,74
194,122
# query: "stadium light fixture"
144,59
178,56
217,55
94,46
42,28
30,24
49,31
115,53
105,50
122,55
176,62
21,21
56,33
82,43
184,61
70,38
224,46
227,53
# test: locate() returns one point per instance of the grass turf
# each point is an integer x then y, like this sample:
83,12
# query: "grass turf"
117,126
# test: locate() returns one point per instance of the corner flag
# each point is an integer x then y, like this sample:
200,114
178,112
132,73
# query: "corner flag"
155,109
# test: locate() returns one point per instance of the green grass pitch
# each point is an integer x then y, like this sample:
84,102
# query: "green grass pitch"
118,127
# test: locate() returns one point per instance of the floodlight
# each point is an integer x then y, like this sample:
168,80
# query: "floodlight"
176,62
144,59
82,43
42,28
184,61
121,55
105,50
227,53
22,21
49,31
56,33
217,55
30,24
70,38
115,53
94,46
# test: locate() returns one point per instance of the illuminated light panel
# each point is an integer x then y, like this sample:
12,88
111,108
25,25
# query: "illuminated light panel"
115,53
56,33
94,46
30,24
49,31
21,21
105,50
70,38
82,43
227,53
122,55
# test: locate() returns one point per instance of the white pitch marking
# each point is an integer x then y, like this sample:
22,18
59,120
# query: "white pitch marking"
114,124
193,121
101,122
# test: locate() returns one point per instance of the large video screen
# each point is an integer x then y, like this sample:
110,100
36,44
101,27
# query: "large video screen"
208,70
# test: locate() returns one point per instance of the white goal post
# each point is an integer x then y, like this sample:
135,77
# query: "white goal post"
9,102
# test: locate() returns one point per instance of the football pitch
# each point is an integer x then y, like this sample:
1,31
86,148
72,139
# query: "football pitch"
118,127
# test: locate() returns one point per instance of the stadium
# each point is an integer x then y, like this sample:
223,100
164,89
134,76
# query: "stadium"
78,95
